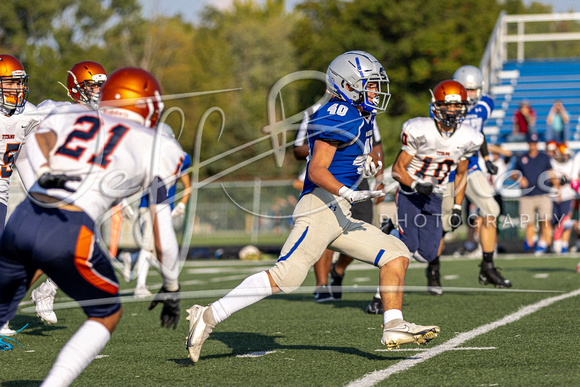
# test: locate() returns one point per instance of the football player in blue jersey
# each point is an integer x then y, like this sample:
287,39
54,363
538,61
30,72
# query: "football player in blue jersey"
478,189
324,268
340,141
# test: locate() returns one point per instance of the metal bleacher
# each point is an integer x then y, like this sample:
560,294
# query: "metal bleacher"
516,72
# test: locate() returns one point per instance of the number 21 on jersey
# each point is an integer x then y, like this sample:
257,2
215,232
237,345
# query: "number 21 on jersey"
102,158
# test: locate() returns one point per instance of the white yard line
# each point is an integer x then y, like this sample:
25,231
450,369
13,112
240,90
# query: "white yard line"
375,377
425,349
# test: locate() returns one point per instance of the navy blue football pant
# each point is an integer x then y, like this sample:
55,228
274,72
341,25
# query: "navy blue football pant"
63,245
3,210
419,219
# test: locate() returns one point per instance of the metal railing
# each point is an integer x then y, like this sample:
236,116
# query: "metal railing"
534,36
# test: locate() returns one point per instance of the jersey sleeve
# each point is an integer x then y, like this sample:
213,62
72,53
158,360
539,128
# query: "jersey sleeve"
409,140
376,133
165,171
473,147
302,129
575,167
487,104
336,121
186,162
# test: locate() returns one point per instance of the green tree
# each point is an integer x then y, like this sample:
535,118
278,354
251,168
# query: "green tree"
248,47
52,35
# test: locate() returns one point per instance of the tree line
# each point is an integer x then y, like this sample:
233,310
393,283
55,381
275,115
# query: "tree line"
250,46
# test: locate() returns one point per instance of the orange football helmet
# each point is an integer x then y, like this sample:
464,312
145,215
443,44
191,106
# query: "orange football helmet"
84,82
449,105
563,148
13,83
132,93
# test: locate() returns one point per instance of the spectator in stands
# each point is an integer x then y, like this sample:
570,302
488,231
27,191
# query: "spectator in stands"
557,121
533,170
524,121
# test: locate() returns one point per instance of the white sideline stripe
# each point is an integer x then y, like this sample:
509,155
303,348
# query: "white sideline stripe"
375,377
425,349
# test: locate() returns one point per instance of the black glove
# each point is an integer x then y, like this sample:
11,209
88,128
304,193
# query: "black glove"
491,168
422,187
170,312
49,180
455,220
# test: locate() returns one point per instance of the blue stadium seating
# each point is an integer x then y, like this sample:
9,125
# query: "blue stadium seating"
541,82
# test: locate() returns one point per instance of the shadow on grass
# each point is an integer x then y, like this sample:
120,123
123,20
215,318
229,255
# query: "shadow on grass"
21,383
243,343
36,327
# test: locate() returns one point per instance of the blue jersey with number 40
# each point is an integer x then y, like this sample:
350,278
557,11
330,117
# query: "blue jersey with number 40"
340,122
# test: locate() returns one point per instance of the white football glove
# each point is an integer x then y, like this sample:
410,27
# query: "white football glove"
358,196
178,210
126,210
370,168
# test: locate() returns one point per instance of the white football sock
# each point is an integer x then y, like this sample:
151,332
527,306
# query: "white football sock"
378,293
77,353
251,290
392,314
142,268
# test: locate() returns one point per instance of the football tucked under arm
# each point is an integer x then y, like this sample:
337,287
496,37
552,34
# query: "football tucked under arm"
373,164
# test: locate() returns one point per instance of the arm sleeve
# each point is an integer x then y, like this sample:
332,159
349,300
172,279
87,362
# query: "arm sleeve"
166,244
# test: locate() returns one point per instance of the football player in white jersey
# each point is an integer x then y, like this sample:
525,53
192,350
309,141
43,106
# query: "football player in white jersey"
432,149
340,140
478,189
17,120
563,166
83,85
87,161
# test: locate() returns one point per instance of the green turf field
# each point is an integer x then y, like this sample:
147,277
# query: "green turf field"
288,340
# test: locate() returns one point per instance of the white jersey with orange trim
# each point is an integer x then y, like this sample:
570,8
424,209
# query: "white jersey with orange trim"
563,169
435,155
23,167
14,130
113,157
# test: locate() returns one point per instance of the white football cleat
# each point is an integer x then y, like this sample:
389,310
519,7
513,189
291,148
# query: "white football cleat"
398,332
141,291
201,323
5,331
43,297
